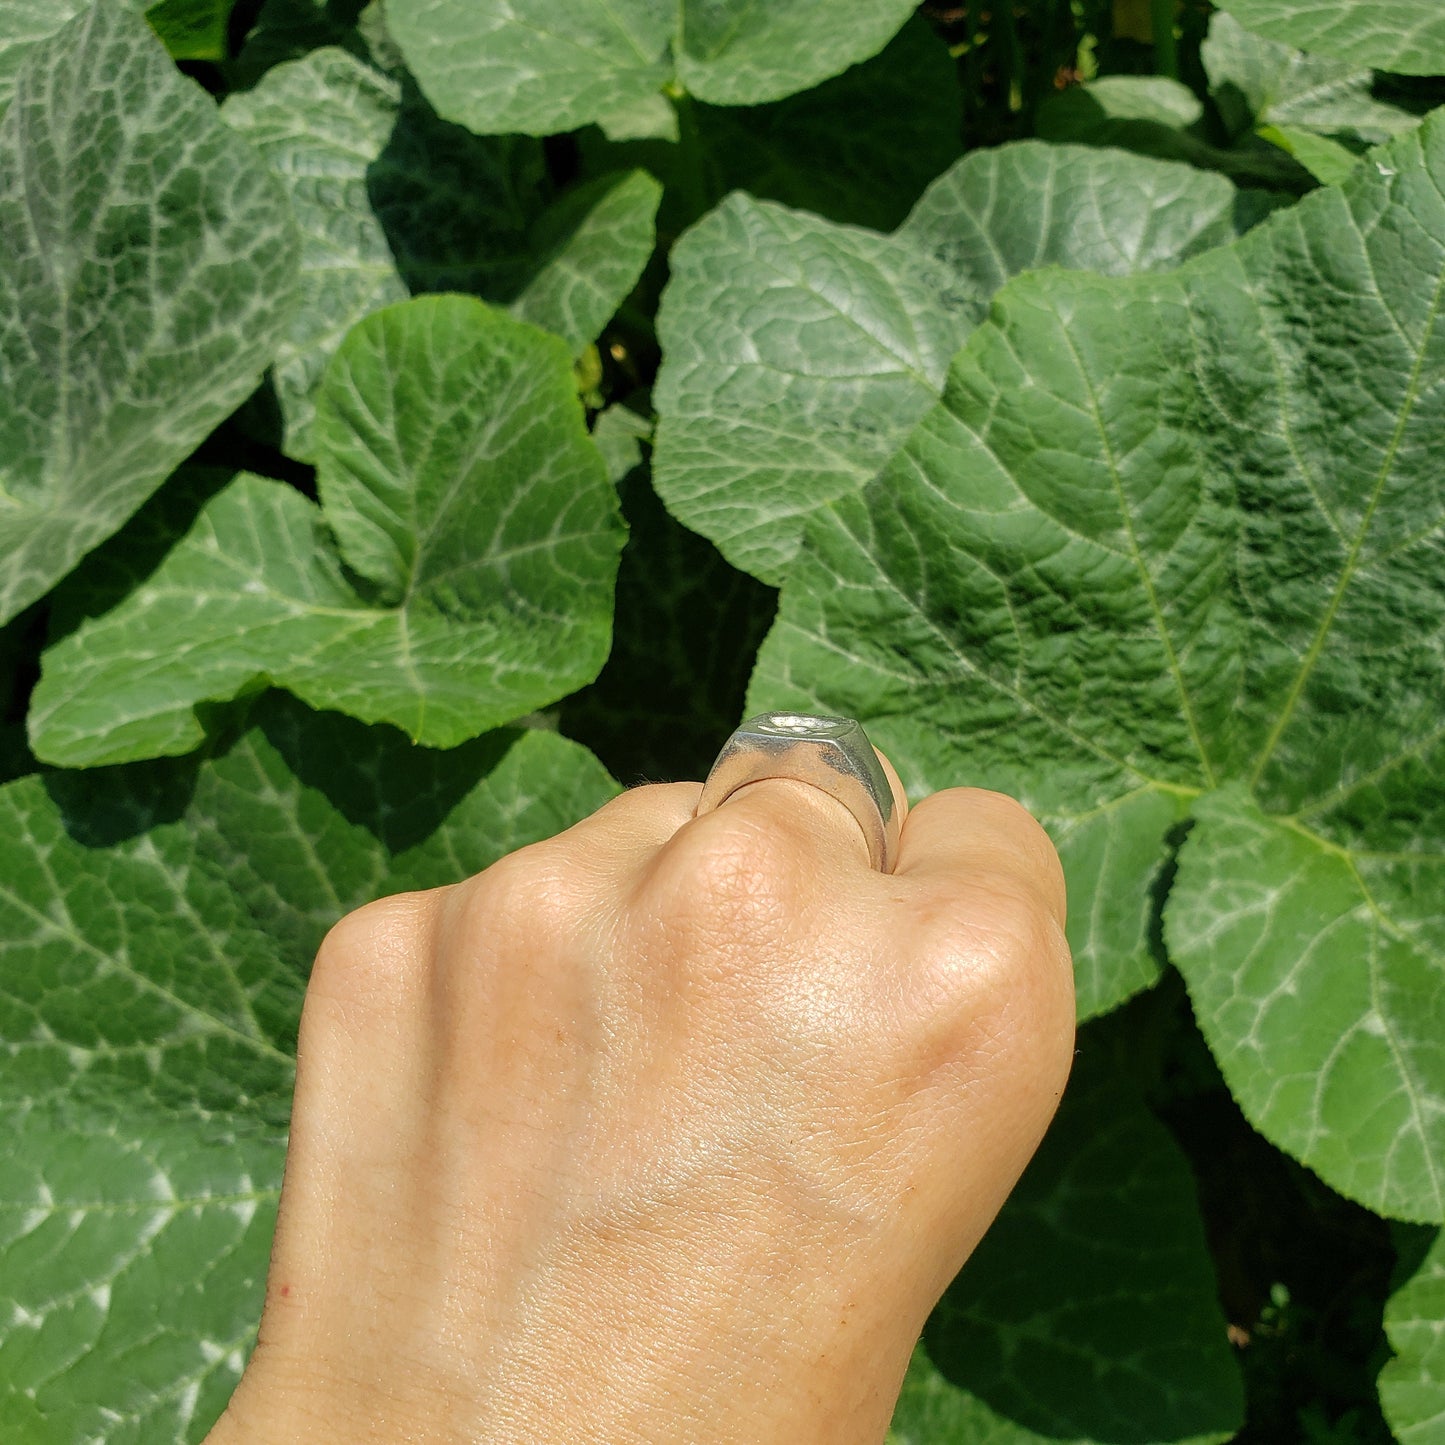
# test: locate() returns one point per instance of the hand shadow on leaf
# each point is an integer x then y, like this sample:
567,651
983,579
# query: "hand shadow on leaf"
103,807
375,776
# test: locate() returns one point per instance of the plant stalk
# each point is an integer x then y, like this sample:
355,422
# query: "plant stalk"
1163,14
694,184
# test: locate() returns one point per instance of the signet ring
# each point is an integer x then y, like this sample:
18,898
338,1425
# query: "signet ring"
830,753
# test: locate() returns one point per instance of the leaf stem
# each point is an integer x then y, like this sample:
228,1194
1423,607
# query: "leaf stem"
1166,48
693,184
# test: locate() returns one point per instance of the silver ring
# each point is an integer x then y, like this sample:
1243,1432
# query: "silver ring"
831,753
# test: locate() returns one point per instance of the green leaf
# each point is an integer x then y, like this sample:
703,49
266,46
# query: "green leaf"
156,928
458,573
1172,542
525,65
1152,115
1089,1311
809,151
23,25
1256,82
798,354
618,433
589,250
1407,36
1412,1384
1315,969
392,200
144,284
1326,160
192,29
1320,111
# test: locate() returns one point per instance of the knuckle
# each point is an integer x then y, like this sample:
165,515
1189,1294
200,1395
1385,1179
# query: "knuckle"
731,880
529,894
1020,921
995,961
376,934
369,958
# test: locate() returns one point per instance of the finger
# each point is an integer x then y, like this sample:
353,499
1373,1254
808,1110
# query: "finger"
900,798
629,829
818,825
968,832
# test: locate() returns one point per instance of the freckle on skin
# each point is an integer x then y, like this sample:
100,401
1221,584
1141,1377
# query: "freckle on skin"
285,1290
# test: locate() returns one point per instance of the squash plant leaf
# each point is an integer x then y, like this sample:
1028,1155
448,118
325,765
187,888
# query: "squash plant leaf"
144,284
1321,111
527,65
157,924
798,354
1170,546
1151,115
23,25
1136,1350
391,200
458,572
1257,82
192,29
809,150
1407,36
1317,972
589,249
1412,1384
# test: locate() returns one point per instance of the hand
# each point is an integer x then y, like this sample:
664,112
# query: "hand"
665,1129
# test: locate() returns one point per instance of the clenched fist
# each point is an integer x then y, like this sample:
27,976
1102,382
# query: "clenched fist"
665,1129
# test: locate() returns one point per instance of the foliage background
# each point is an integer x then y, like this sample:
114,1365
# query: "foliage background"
416,422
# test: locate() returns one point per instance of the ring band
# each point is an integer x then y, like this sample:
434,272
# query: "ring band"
830,753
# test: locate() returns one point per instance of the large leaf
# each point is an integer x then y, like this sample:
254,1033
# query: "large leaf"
1089,1312
391,200
1321,110
809,150
156,927
1402,35
147,269
458,573
192,29
23,25
1260,82
1412,1384
530,66
1314,949
1152,115
1173,542
798,354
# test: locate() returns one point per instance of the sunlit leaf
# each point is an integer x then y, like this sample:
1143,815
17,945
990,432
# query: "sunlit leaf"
147,273
457,574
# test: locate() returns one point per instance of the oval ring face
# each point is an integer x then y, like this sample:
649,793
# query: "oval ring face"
832,754
800,725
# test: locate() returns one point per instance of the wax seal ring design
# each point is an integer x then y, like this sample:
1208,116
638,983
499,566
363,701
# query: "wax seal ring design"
831,753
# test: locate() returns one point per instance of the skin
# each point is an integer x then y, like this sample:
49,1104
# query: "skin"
666,1128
